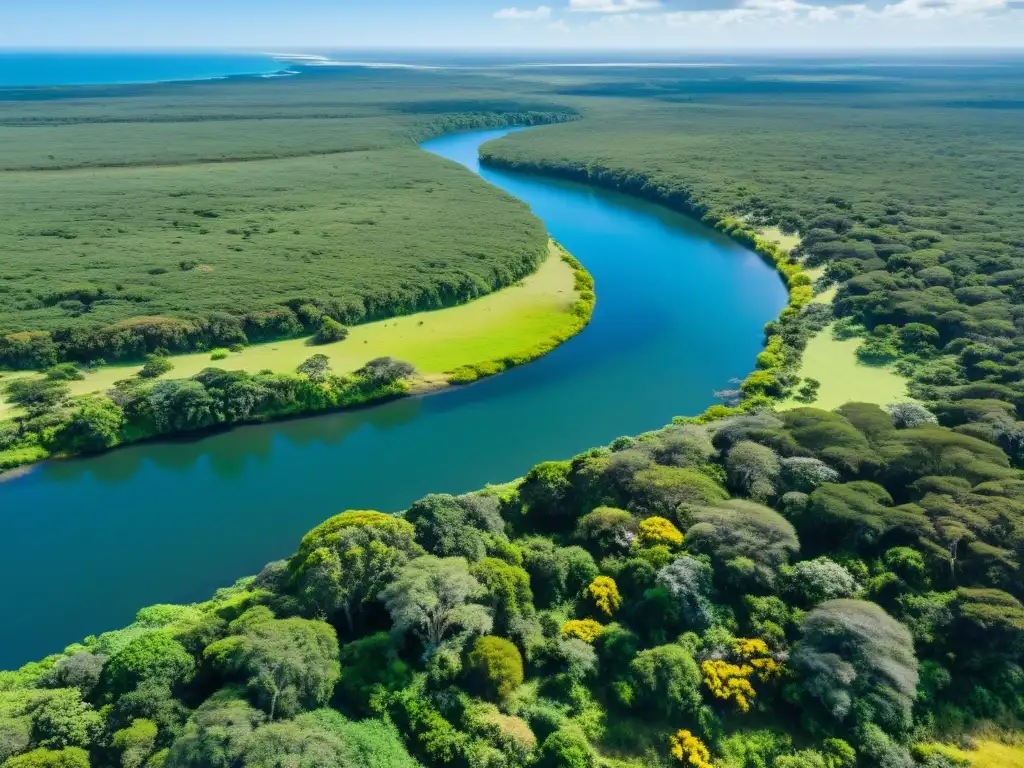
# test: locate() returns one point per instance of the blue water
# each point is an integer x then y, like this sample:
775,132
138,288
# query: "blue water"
680,312
22,68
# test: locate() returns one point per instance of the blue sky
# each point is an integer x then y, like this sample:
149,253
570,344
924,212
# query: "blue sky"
684,25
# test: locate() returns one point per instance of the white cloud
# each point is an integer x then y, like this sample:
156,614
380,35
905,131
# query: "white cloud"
612,6
521,14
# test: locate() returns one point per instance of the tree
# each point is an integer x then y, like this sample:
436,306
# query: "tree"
607,530
495,667
658,532
289,665
688,581
154,657
135,742
821,579
72,757
908,415
544,494
370,666
297,744
752,469
156,366
855,659
604,593
431,597
92,427
181,405
330,331
383,371
556,573
566,748
80,670
507,589
666,680
218,734
62,719
343,563
804,474
447,526
742,529
316,367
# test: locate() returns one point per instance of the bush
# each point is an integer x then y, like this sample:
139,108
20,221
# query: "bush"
156,365
330,331
219,354
566,748
64,372
495,667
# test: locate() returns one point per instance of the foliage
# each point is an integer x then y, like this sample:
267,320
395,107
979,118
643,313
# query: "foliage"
496,666
154,657
430,595
288,665
688,750
667,681
658,532
604,592
586,630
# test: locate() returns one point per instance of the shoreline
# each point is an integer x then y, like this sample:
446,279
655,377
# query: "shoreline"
419,385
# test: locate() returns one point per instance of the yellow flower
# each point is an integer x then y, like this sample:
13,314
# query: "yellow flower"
689,750
586,630
729,682
605,593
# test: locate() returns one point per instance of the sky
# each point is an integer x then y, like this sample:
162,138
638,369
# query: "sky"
675,25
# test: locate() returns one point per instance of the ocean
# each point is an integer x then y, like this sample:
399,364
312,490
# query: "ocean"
56,68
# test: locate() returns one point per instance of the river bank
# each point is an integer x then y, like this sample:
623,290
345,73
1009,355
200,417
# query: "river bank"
682,312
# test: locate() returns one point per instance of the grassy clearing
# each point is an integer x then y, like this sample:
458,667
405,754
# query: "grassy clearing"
775,235
500,324
989,754
844,378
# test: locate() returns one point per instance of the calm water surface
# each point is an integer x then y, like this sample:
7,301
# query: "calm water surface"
680,312
52,68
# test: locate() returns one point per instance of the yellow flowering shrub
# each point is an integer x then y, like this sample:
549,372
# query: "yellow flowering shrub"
688,750
586,630
658,531
605,593
756,653
731,681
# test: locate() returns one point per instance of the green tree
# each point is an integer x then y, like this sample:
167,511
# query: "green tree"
495,667
371,667
155,657
432,596
289,665
92,427
607,530
316,367
181,405
446,526
566,748
753,469
72,757
135,742
217,735
343,563
507,590
62,719
666,680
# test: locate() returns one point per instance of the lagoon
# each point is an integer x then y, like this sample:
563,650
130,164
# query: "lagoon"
679,314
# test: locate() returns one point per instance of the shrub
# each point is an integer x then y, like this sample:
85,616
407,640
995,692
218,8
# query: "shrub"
330,331
586,630
495,667
657,531
607,529
821,579
566,748
219,354
156,365
64,372
666,680
688,750
604,593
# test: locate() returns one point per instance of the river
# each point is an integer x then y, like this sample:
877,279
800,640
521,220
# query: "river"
680,311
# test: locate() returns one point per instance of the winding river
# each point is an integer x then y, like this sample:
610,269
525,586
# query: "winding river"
680,312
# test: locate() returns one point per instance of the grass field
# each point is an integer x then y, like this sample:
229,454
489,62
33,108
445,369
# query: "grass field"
989,754
844,378
503,323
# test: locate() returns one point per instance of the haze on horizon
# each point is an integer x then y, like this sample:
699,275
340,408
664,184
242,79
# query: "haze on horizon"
679,25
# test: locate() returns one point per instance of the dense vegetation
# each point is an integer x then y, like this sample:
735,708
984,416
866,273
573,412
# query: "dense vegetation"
243,225
906,185
807,590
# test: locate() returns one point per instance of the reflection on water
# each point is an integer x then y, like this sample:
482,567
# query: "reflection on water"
680,311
